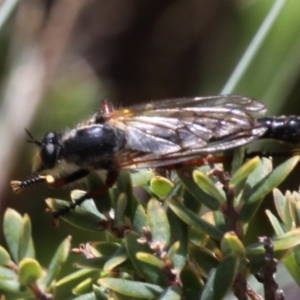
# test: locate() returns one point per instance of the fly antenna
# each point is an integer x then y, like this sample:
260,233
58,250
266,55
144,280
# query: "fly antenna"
32,139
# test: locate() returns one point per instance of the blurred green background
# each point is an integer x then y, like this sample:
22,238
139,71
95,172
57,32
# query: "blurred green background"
59,59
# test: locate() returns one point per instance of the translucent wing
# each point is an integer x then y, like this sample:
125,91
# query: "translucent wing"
230,101
172,131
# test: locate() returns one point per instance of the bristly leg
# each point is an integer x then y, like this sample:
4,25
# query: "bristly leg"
18,186
110,180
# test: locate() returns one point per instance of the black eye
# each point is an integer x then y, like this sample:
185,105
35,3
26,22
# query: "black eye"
50,137
50,150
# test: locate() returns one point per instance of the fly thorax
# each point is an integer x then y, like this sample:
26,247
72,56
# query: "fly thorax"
88,146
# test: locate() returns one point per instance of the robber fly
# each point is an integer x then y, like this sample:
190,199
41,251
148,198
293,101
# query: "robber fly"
157,134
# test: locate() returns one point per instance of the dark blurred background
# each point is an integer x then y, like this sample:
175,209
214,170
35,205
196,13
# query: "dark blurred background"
59,59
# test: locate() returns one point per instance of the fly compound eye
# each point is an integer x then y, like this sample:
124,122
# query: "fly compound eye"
50,150
50,137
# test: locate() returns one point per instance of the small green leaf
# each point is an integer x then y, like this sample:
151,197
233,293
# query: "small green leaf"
161,186
286,242
26,248
292,263
132,288
124,185
99,294
180,234
280,203
205,259
66,284
57,261
258,184
263,169
12,226
279,230
96,263
77,276
244,171
232,246
193,219
262,188
287,219
225,276
141,177
87,296
150,259
11,286
118,257
173,250
120,208
139,219
205,183
191,283
4,257
83,287
171,293
151,273
104,248
30,271
221,279
7,273
158,222
293,209
189,200
186,177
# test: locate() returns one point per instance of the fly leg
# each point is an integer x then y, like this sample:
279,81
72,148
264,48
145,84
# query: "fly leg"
110,180
18,186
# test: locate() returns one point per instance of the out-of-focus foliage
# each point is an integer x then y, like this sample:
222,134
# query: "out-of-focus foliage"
58,59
